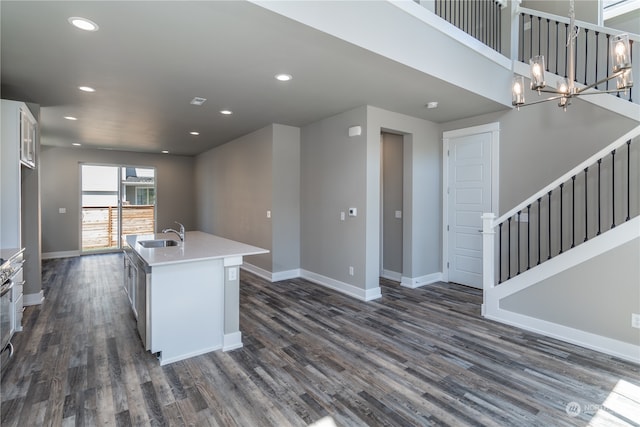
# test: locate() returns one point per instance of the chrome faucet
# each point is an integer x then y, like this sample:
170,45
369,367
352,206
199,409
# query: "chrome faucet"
179,233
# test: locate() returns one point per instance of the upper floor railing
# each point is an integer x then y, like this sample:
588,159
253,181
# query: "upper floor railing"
543,34
478,18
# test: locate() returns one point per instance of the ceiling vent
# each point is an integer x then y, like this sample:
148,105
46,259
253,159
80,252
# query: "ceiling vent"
198,101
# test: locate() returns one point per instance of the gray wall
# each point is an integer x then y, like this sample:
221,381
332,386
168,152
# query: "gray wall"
392,199
285,215
333,179
60,183
422,189
234,188
238,182
597,296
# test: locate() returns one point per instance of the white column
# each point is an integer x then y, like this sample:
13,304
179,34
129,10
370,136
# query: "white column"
488,255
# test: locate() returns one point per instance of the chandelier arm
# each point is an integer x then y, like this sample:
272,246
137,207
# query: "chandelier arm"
553,98
592,85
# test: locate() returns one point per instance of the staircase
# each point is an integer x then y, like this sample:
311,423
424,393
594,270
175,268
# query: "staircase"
565,261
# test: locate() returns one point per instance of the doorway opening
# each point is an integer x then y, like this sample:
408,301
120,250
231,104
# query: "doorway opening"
115,201
391,205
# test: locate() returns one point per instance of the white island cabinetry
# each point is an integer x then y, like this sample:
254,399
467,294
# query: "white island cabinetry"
188,299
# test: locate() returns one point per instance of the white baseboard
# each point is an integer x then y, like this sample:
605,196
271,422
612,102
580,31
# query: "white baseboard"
268,275
62,254
285,275
232,341
391,275
260,272
610,346
416,282
33,299
345,288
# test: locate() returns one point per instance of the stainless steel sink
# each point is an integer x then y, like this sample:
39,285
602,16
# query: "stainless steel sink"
161,243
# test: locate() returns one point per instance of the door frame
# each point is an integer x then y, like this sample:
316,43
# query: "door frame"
119,166
494,129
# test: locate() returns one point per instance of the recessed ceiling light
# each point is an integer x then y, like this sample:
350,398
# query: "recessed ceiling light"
165,151
432,104
83,23
284,77
193,132
76,144
86,89
226,112
197,101
70,118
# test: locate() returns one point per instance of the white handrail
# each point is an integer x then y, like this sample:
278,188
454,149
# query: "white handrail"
633,133
581,24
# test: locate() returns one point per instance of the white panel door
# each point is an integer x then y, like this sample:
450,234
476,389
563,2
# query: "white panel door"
469,197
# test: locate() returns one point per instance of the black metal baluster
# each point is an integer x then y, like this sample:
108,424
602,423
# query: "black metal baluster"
539,34
500,253
586,209
628,180
518,251
539,239
557,49
631,61
528,237
573,211
613,188
608,52
597,57
509,249
531,36
561,236
549,194
548,50
566,48
586,56
599,198
521,37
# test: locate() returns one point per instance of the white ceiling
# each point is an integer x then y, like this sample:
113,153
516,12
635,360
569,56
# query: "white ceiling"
150,58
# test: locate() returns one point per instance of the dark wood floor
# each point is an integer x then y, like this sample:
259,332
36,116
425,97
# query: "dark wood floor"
413,357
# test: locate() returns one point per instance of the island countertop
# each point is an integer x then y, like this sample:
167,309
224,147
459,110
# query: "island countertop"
197,246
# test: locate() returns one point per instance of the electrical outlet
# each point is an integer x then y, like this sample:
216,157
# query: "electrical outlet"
350,270
635,320
233,274
62,210
268,214
342,216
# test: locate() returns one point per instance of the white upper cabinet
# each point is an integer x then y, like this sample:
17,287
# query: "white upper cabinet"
28,129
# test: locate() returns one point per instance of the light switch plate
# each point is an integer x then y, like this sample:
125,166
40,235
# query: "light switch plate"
399,214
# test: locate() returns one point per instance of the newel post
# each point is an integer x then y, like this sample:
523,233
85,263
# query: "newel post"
488,250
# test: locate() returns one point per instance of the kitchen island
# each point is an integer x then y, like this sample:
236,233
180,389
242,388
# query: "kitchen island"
185,294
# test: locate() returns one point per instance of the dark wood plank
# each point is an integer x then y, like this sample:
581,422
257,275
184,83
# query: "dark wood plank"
414,357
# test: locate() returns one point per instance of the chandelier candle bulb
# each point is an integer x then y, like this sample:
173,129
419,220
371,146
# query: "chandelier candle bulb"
620,52
517,91
537,72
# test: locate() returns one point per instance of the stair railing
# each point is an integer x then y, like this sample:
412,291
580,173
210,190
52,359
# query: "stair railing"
595,196
540,33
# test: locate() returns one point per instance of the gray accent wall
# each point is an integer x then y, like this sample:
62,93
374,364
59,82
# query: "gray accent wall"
598,296
238,182
60,184
334,179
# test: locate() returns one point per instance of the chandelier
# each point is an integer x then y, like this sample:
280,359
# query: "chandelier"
566,89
